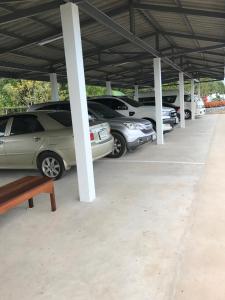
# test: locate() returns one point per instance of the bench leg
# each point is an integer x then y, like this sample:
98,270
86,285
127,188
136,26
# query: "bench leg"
52,198
31,203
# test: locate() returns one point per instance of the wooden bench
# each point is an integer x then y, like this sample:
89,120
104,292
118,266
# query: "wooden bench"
25,189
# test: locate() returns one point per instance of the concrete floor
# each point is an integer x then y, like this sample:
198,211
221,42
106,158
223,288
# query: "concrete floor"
155,231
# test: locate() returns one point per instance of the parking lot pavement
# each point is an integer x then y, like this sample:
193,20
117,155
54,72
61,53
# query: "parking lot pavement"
128,244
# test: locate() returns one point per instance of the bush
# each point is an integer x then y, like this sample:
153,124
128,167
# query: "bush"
218,103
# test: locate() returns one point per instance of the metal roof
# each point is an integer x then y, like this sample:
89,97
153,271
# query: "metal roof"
120,39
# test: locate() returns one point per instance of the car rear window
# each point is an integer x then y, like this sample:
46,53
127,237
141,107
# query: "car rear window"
3,123
62,117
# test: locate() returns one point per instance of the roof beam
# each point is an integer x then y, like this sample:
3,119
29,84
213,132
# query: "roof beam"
180,10
195,50
202,59
28,43
28,12
194,36
109,23
41,69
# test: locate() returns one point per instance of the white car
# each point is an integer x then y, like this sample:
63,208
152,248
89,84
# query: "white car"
172,98
131,108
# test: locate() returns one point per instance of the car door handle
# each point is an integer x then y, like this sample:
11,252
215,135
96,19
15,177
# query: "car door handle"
37,139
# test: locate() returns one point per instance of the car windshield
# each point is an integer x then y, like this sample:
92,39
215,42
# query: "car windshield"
62,117
130,101
102,111
187,98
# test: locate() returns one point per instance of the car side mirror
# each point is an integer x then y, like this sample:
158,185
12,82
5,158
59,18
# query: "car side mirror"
131,113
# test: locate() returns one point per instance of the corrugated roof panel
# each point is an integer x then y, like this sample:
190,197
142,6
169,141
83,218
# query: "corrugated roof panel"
99,42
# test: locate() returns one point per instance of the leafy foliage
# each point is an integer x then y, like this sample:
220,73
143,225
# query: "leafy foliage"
14,93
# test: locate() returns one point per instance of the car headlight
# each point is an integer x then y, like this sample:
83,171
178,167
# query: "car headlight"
165,113
131,125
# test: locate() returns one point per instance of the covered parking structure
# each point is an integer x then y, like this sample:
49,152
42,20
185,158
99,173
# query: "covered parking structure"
129,245
121,39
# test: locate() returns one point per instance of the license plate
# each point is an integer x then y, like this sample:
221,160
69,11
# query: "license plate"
103,134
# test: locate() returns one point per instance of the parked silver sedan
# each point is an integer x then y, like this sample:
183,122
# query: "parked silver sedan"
129,133
44,140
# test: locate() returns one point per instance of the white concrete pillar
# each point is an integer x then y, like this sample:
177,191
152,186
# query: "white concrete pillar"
136,93
158,99
108,88
78,100
199,90
193,104
181,96
54,87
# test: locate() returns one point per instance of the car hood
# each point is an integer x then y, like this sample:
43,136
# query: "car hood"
152,108
125,120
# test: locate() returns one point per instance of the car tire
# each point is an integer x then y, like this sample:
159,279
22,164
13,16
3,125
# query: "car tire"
51,165
187,114
120,146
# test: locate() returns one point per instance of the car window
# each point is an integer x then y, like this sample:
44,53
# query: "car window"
130,101
114,104
118,105
103,111
49,107
25,124
64,106
62,117
187,98
169,99
3,123
146,99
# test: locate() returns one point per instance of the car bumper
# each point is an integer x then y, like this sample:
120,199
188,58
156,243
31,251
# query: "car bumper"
141,140
103,149
98,151
171,121
168,125
200,111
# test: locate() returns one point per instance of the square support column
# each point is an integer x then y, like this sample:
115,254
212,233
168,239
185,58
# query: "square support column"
193,104
136,93
78,100
54,87
108,88
181,96
199,90
158,99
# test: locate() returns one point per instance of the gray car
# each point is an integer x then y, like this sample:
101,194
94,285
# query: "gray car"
129,133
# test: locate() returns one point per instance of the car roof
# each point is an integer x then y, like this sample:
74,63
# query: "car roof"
49,103
27,113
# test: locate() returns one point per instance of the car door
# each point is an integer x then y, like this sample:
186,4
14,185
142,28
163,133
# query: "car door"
24,140
3,127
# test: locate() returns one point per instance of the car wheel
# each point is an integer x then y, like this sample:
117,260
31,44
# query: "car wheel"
119,147
187,114
51,165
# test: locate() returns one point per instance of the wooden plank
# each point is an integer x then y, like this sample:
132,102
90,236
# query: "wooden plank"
24,189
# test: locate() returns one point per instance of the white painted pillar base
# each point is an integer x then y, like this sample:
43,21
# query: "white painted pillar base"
158,99
136,93
181,96
193,104
54,87
78,100
108,88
